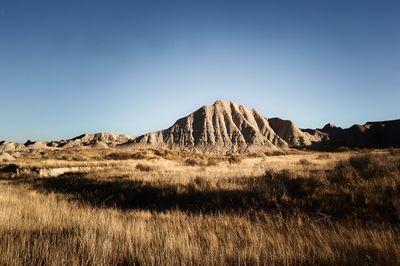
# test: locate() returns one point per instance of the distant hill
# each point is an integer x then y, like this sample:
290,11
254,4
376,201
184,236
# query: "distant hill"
295,137
226,126
380,134
97,140
223,126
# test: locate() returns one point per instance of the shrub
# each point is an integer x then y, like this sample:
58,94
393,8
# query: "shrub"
196,162
272,184
305,162
10,168
144,167
342,149
302,187
125,156
278,184
199,184
212,162
394,152
369,166
161,153
343,174
324,156
168,154
233,159
276,153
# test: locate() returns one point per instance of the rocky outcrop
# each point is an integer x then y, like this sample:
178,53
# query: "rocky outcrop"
36,145
226,126
290,133
109,138
223,126
382,134
5,157
97,140
8,146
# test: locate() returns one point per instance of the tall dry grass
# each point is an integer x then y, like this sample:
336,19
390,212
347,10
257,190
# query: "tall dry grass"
43,229
155,209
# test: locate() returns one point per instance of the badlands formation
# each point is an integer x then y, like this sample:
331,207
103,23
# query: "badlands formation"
226,126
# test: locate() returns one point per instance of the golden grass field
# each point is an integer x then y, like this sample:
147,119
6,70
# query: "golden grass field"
161,207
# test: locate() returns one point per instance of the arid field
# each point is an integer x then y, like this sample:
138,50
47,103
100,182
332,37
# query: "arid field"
162,207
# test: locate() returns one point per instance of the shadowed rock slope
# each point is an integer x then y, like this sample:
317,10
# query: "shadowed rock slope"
382,134
290,133
223,126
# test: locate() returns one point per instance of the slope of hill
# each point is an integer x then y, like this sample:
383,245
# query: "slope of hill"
97,140
226,126
8,146
110,139
381,134
223,126
295,137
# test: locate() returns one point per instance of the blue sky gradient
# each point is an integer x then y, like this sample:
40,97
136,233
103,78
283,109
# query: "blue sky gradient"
69,67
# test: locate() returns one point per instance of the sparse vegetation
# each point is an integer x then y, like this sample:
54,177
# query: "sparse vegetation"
126,156
305,162
394,152
144,167
195,162
234,159
341,209
372,166
323,156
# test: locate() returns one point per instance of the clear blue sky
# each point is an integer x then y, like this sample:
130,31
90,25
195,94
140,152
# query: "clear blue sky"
69,67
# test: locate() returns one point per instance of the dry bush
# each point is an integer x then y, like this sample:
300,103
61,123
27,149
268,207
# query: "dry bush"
285,184
394,152
343,174
190,158
305,162
235,159
64,155
364,166
9,168
323,156
277,153
169,154
342,149
11,171
256,155
72,158
212,162
368,186
196,162
199,184
344,192
144,167
160,153
373,166
126,156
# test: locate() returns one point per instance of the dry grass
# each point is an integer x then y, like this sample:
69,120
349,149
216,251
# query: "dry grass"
168,208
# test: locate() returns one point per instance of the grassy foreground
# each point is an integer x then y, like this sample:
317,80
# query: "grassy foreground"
167,208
